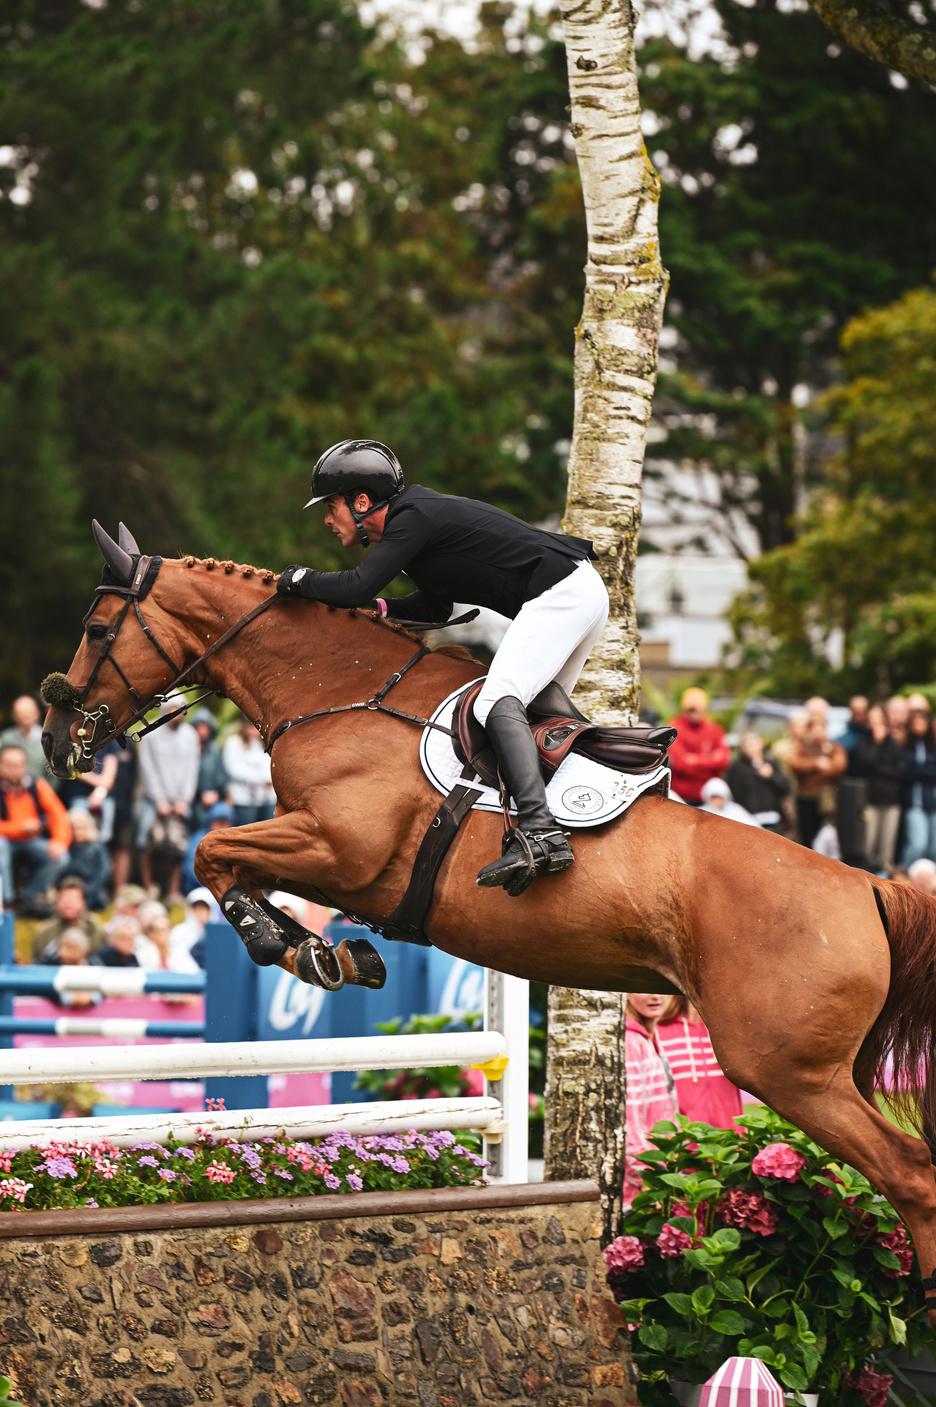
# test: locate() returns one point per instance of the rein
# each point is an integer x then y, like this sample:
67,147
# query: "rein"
144,575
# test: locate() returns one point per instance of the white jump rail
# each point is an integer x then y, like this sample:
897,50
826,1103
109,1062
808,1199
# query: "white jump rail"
34,1067
390,1116
31,1066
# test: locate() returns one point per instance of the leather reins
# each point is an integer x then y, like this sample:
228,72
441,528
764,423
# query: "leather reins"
150,565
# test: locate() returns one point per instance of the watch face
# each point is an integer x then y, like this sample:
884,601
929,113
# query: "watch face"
299,573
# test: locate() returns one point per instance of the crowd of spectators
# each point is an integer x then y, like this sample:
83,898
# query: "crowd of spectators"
122,837
864,793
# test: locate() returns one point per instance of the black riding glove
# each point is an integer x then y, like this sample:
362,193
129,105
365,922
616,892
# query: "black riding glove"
291,581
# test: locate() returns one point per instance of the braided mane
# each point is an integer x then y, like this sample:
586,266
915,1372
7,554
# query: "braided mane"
267,577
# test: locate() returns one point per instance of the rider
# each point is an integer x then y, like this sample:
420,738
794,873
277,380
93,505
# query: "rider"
461,549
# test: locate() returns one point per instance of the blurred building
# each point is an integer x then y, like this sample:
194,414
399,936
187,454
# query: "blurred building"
682,604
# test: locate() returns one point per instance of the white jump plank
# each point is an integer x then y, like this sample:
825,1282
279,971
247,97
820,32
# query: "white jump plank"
314,1121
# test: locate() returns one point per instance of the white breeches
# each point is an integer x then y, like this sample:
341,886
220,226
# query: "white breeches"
550,640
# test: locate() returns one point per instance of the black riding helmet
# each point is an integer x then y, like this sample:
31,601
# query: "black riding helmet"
357,466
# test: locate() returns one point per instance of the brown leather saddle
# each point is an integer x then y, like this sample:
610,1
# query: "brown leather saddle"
559,728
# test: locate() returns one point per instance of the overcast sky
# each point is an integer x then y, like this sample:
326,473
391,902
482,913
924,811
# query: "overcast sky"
695,20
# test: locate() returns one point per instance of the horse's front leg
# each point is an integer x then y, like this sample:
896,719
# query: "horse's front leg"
237,864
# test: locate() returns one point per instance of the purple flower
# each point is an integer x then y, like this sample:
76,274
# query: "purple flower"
332,1181
284,1173
187,1153
354,1182
90,1202
58,1167
168,1175
399,1165
148,1161
259,1178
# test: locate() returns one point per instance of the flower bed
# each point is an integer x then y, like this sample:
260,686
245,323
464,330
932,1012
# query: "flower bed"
753,1241
70,1174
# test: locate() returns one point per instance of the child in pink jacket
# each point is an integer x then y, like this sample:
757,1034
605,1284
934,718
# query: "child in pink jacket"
703,1091
650,1090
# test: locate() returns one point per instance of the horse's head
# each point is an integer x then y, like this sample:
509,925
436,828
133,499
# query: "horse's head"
124,660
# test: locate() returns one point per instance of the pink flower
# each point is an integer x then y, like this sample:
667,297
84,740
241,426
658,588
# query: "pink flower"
898,1242
6,1162
672,1242
749,1211
874,1387
778,1160
14,1187
624,1254
219,1172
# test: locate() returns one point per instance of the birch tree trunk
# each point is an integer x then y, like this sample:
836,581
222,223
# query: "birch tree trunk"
615,371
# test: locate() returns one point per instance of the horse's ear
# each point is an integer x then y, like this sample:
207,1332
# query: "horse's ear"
127,541
117,558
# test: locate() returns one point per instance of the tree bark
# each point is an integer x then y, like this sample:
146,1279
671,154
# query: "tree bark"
890,39
615,372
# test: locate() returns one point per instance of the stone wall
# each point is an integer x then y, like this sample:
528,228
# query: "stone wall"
436,1299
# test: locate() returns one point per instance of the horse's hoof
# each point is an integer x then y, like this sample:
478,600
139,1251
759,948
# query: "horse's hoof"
317,964
361,963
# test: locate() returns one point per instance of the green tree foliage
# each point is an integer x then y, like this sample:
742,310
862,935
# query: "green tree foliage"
233,233
800,187
851,603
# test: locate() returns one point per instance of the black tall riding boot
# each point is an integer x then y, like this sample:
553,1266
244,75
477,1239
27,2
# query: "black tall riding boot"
537,844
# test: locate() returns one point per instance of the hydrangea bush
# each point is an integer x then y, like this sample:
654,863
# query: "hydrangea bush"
99,1174
753,1241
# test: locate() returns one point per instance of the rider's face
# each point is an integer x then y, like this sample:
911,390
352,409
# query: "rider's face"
339,521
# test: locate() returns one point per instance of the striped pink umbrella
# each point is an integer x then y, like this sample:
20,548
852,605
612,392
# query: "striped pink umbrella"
742,1382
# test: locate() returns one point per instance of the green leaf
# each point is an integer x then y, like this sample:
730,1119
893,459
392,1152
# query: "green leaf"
885,1257
793,1375
835,1226
731,1289
727,1321
681,1303
702,1299
727,1238
653,1336
898,1327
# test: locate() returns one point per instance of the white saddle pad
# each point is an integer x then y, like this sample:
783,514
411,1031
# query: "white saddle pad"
582,792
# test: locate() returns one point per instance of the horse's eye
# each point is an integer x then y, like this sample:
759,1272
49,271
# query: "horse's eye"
95,632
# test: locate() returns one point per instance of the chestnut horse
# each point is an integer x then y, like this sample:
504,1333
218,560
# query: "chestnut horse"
808,974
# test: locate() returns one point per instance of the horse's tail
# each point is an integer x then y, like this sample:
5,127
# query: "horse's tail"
904,1035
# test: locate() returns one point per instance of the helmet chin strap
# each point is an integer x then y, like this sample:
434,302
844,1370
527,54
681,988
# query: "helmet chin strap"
359,517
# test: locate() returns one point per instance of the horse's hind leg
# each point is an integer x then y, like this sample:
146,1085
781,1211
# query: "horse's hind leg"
846,1125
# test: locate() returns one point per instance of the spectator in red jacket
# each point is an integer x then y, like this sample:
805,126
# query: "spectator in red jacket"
34,829
700,751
